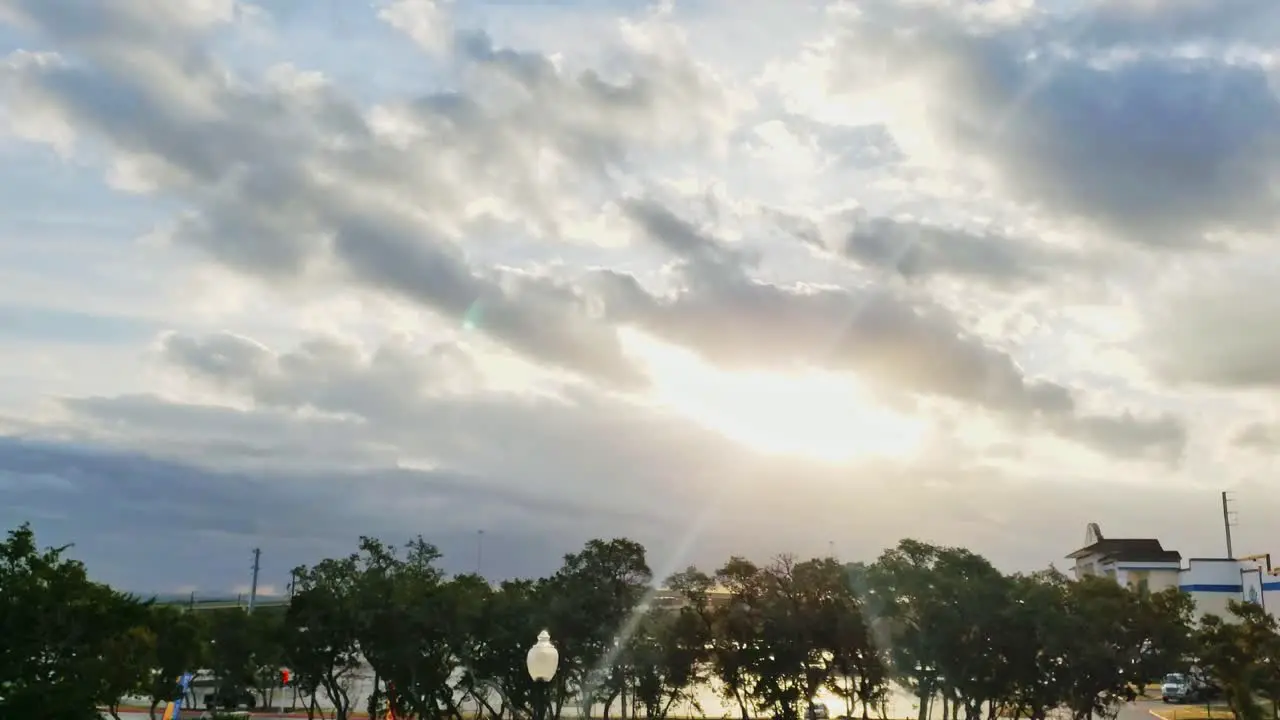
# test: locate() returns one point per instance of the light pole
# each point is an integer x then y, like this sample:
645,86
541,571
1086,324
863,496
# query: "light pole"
542,660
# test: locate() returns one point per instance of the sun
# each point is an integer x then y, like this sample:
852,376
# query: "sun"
821,416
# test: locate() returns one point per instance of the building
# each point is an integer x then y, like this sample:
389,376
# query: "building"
1143,563
1136,563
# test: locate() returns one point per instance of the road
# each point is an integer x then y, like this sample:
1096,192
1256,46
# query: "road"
1141,710
1156,710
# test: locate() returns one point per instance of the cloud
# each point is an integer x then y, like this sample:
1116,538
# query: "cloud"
1212,324
409,271
1071,123
1259,437
157,525
892,338
913,249
286,177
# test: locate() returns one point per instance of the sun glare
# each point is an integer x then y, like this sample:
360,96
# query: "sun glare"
814,415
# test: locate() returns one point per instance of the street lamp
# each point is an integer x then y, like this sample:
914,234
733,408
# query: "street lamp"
542,660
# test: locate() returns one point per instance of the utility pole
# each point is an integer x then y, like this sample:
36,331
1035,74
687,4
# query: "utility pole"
1226,522
480,552
253,588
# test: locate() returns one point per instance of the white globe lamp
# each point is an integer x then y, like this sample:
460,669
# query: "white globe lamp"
543,659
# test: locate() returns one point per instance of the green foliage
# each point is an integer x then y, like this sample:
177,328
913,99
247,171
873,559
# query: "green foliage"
939,622
62,635
1242,657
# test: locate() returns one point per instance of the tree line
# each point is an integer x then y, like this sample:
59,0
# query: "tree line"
940,623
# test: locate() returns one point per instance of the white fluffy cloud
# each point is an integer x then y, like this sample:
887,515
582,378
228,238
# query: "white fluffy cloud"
451,266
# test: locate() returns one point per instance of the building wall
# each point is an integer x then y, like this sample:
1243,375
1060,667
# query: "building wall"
1213,603
1211,576
1156,576
1213,582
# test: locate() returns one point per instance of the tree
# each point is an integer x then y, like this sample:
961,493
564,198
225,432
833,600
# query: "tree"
736,645
861,666
126,665
593,600
968,605
267,626
1165,630
57,627
806,610
902,594
179,648
1240,656
495,664
322,631
939,621
405,632
1034,644
231,654
1104,645
667,654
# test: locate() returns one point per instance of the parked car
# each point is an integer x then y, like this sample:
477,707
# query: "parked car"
1186,688
223,700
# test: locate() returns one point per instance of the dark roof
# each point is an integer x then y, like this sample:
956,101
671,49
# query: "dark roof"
1131,550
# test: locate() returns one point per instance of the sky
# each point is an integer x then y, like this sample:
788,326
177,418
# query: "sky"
749,277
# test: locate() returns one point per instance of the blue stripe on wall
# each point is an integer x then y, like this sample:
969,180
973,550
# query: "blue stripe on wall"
1270,587
1147,567
1212,588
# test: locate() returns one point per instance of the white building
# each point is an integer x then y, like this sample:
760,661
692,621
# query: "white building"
1211,582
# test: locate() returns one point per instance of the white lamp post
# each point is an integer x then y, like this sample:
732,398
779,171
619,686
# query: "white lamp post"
542,660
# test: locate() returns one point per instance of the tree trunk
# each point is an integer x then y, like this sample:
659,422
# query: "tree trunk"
742,704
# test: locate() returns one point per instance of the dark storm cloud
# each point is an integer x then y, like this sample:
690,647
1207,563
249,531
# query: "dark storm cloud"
1155,149
155,524
1138,22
